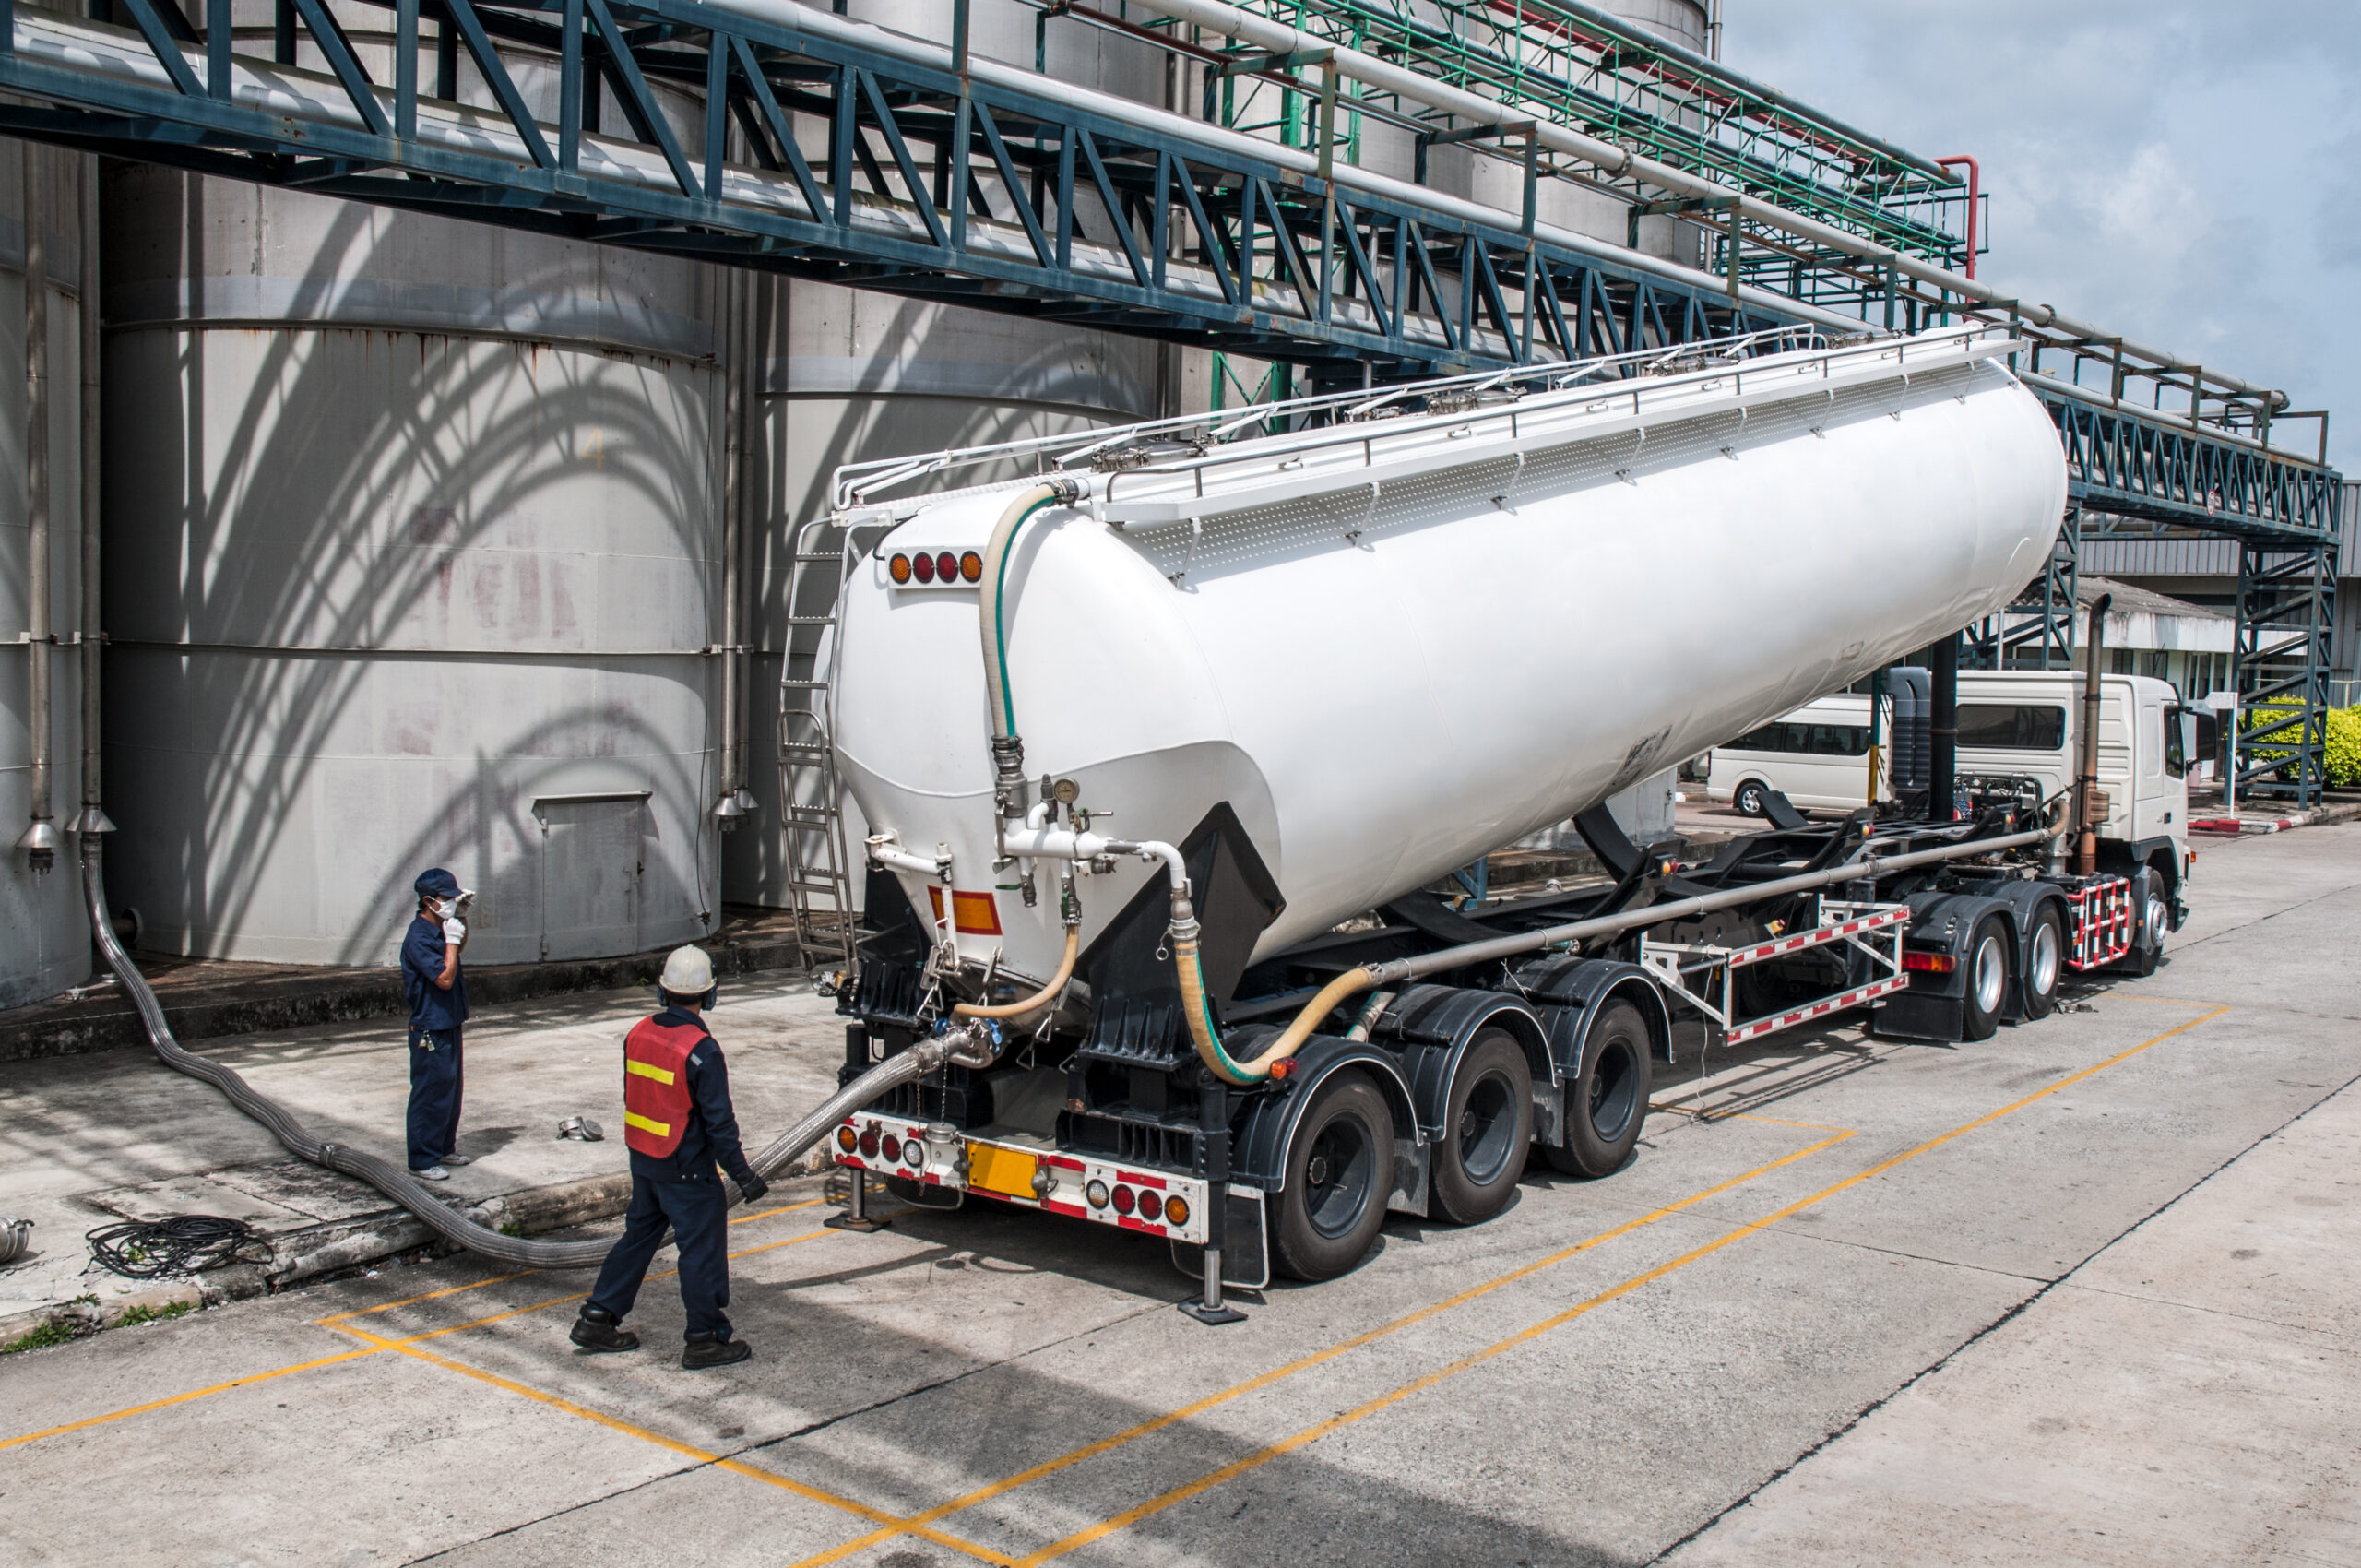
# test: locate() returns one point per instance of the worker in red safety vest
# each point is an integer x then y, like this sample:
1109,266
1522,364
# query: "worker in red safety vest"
679,1125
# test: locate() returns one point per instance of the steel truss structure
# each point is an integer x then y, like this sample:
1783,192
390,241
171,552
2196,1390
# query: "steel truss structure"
818,147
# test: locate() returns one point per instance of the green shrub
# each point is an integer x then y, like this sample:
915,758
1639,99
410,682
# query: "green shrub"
2340,762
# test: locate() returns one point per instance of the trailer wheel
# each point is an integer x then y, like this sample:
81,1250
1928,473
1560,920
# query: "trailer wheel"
1487,1127
1607,1099
1986,988
2045,963
1339,1174
1749,797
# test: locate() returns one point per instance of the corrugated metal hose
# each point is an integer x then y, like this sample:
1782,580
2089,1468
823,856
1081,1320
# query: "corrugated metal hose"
964,1047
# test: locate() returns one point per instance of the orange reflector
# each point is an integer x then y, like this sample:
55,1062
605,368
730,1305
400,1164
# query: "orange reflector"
900,568
971,567
1176,1211
972,914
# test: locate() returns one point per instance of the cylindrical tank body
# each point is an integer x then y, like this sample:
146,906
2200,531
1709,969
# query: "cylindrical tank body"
1384,689
844,374
413,532
45,937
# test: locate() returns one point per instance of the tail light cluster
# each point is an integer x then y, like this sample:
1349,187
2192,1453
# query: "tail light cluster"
1930,963
1146,1202
924,567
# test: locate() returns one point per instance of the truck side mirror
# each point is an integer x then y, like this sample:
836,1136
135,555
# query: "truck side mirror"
2206,732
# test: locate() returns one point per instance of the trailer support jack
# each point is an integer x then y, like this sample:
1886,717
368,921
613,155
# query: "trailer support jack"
856,1214
1213,1115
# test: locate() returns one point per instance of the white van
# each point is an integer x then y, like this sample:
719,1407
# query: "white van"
1818,757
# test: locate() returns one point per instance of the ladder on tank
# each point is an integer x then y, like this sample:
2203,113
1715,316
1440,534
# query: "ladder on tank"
819,879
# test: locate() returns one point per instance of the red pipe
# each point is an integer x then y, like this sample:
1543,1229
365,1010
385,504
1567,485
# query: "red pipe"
1975,187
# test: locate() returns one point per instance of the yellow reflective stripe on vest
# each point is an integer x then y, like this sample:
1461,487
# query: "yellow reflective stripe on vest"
644,1070
654,1129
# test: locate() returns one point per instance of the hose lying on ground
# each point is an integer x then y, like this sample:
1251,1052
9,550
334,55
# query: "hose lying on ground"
404,1189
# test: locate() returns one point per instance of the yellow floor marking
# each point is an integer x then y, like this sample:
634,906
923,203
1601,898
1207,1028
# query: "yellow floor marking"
705,1456
1158,1423
338,1319
1369,1408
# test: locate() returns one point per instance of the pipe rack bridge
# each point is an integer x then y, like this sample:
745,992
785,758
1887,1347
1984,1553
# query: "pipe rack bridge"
767,134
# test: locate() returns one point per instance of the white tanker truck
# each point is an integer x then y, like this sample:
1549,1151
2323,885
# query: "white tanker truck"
1140,721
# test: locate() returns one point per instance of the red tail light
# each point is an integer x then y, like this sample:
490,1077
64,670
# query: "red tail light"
923,566
1125,1200
1929,963
893,1146
900,568
946,566
869,1143
1151,1205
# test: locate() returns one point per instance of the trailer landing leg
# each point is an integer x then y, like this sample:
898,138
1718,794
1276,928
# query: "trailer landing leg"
1211,1310
856,1214
1213,1115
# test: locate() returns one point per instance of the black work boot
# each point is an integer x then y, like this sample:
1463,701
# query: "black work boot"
708,1350
598,1330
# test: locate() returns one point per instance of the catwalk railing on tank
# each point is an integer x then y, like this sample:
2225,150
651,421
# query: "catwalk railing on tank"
936,175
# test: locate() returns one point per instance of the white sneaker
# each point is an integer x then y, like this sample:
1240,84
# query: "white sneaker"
458,1159
433,1174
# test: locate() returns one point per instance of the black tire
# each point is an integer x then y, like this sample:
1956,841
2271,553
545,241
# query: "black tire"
2045,964
1488,1128
1749,797
2148,935
1607,1098
1984,979
1339,1174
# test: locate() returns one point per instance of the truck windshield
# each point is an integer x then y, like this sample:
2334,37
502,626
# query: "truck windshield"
2004,726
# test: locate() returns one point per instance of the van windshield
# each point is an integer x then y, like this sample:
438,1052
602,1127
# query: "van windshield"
2005,727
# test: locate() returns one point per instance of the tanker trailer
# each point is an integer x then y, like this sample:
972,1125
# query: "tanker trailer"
1163,716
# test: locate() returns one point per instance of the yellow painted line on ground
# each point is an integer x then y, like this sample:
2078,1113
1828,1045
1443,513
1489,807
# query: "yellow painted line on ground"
1369,1408
340,1319
687,1450
915,1522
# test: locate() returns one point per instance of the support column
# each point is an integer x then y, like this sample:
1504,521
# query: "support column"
2286,614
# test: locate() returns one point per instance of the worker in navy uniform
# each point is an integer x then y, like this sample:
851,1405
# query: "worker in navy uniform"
438,1005
679,1126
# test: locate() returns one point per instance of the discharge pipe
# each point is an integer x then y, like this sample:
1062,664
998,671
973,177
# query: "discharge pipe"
1398,971
962,1047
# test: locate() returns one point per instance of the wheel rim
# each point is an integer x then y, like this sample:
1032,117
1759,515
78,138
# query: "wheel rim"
1337,1175
1614,1090
1750,801
2042,978
2157,917
1487,1127
1991,975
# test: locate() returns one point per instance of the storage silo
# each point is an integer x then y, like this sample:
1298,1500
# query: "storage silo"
845,375
45,937
412,540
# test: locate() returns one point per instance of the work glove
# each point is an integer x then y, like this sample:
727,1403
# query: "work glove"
752,1186
455,931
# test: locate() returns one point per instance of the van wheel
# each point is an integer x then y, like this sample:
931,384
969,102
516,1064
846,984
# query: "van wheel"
1748,797
2045,963
1339,1174
1606,1098
1986,980
1487,1127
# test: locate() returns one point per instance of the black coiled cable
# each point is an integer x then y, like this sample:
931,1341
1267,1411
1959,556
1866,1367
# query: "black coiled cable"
186,1244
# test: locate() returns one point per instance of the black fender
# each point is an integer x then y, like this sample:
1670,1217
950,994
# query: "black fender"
1431,1026
1571,991
1266,1132
1941,922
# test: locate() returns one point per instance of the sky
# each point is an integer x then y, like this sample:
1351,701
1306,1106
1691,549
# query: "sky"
2186,176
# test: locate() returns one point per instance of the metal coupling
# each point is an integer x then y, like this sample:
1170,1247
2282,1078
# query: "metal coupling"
1010,794
1069,903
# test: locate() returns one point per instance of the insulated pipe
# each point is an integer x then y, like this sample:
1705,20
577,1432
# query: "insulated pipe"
93,818
1280,38
39,839
1298,1033
926,1056
2086,765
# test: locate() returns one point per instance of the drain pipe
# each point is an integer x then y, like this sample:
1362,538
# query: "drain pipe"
2087,807
959,1047
92,818
735,802
40,838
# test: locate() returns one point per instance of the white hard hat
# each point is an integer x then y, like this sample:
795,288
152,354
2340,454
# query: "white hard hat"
688,973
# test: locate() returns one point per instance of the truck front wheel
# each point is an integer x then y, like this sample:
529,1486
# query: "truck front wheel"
1339,1172
1487,1127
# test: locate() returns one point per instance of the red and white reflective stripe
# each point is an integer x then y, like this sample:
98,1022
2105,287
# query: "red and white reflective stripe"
1741,957
1837,1003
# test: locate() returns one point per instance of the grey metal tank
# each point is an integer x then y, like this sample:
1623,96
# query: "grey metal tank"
844,374
417,564
45,937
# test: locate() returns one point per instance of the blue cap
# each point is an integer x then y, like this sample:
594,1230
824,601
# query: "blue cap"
437,884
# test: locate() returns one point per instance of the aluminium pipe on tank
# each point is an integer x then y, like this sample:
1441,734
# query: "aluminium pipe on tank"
40,837
1393,972
1280,39
926,1056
